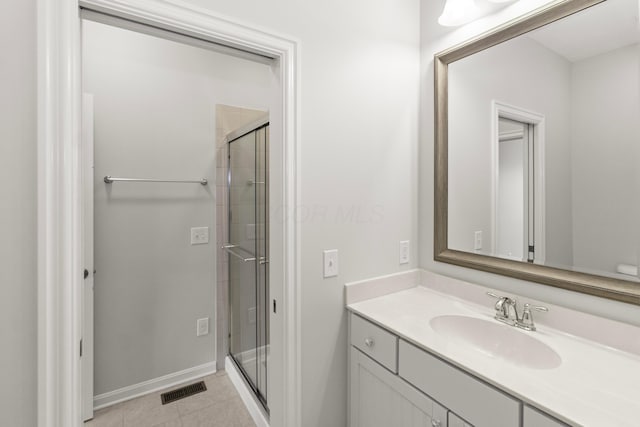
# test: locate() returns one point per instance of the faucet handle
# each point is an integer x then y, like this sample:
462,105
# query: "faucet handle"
526,322
536,307
503,298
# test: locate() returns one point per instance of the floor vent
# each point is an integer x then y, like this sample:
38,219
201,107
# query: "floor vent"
182,392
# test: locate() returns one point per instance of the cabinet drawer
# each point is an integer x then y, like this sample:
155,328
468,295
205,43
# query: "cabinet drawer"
475,401
375,342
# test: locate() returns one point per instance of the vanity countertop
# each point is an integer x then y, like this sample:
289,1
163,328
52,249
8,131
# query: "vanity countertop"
595,385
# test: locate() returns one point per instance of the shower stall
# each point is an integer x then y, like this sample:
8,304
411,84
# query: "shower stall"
248,254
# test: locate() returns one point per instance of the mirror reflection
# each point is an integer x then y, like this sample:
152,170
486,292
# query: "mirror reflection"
544,145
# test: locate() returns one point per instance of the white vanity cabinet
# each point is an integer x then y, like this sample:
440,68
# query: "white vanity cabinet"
395,384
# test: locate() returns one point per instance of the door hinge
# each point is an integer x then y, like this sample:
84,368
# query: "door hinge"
81,348
274,306
86,273
531,255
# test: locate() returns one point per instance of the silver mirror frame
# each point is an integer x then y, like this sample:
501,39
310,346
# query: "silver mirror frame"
605,287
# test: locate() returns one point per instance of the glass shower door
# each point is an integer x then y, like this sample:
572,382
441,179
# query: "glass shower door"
248,265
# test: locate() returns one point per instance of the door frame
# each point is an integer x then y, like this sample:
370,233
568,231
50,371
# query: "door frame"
87,355
60,193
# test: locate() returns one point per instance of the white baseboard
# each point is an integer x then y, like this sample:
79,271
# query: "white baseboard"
246,394
126,393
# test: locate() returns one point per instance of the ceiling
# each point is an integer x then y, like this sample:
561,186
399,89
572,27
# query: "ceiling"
602,28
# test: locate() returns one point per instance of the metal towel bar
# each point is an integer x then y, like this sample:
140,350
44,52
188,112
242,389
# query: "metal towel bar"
110,179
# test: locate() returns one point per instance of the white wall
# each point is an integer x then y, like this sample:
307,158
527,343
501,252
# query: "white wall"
435,39
18,254
605,133
542,86
155,117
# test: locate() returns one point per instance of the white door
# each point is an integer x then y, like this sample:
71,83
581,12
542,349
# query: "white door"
512,191
86,359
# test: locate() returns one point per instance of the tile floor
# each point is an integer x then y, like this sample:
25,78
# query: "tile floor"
219,406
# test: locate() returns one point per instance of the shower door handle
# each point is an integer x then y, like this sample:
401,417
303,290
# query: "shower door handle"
229,248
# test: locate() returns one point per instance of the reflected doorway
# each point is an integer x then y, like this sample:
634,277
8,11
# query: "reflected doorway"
518,184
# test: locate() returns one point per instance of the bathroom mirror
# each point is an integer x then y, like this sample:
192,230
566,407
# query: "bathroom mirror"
537,158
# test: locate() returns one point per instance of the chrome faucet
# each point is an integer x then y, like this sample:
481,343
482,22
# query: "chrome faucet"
507,312
506,309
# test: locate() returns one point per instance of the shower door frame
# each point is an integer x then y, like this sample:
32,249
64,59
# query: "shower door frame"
60,198
261,124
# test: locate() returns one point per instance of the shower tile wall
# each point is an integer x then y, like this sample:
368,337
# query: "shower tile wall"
228,119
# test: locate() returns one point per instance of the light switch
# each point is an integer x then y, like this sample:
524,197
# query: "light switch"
331,263
404,252
199,235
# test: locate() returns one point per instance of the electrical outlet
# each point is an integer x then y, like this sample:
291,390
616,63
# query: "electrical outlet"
404,252
199,235
202,326
331,263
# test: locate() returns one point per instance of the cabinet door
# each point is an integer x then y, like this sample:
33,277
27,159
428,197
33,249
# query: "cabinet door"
456,421
378,398
534,418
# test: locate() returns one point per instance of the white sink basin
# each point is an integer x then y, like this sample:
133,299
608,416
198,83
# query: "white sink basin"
497,340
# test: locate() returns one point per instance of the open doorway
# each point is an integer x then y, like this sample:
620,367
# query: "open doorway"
152,293
518,184
61,200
